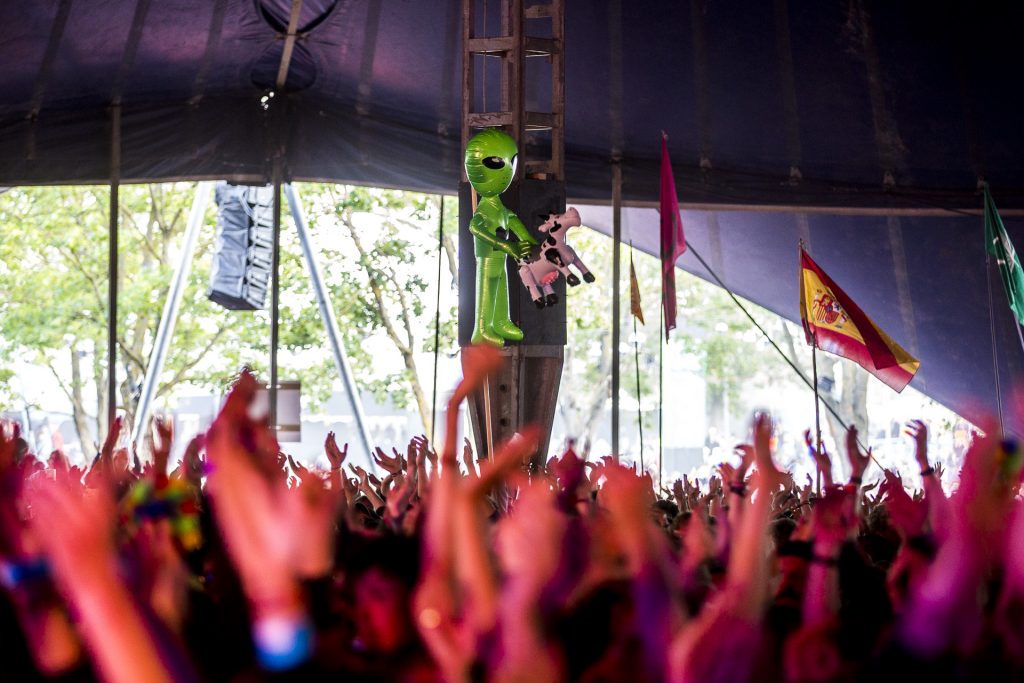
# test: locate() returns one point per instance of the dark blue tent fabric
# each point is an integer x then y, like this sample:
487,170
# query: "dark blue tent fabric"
785,104
793,102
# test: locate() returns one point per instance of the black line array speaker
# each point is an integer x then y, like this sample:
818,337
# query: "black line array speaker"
244,249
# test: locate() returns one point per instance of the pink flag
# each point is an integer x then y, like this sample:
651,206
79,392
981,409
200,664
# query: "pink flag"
673,243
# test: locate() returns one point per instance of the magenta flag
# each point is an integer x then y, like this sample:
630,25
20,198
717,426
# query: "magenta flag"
673,243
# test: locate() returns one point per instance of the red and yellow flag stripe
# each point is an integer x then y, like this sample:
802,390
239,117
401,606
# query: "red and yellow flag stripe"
837,325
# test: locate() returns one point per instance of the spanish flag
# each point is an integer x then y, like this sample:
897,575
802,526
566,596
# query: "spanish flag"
834,323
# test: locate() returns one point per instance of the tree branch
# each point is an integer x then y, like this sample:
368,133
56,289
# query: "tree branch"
185,369
375,288
71,254
130,219
406,313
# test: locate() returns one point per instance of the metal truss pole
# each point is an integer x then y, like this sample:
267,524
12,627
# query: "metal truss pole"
327,315
169,317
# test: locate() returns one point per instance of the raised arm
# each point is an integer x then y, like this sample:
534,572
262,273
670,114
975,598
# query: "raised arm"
938,504
76,531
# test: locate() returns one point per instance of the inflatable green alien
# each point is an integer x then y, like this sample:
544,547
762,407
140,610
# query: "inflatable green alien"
491,158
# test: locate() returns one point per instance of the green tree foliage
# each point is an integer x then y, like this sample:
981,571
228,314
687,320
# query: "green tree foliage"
729,352
53,273
379,285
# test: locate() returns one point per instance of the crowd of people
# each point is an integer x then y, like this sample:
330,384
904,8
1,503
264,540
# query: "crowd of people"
243,565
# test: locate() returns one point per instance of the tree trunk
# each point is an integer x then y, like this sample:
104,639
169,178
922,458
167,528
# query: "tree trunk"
100,380
422,406
597,398
78,405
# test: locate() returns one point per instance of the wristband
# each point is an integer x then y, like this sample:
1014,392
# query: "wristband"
281,642
928,471
824,559
856,480
739,489
14,574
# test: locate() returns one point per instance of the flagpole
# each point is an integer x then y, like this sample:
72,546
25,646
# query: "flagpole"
817,406
616,245
992,332
661,347
636,363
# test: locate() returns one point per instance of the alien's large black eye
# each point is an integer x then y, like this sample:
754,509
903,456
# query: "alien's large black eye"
494,163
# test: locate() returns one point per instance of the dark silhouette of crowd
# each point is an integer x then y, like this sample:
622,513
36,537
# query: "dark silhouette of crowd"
243,565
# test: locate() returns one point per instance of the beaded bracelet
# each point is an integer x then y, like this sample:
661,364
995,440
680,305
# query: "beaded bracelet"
928,471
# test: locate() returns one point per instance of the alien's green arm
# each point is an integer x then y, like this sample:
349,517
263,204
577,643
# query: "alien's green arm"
519,230
480,228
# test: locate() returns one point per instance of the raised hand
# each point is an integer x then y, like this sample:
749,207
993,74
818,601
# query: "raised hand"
859,460
479,362
679,494
918,431
274,536
398,498
246,503
389,464
193,463
769,477
75,528
746,453
366,486
113,434
425,451
163,436
335,455
821,458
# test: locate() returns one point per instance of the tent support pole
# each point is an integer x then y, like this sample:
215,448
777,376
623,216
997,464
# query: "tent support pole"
169,317
112,264
437,316
661,389
275,303
323,301
992,333
616,313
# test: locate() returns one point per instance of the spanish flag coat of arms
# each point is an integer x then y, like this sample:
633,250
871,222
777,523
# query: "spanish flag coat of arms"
834,323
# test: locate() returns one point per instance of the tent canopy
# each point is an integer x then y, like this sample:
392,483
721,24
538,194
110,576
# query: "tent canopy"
786,107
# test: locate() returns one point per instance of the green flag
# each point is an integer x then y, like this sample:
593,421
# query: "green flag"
998,244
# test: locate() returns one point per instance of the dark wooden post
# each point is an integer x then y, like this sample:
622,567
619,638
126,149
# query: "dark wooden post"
526,392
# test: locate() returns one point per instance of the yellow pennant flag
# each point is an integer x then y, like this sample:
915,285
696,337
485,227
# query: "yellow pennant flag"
634,292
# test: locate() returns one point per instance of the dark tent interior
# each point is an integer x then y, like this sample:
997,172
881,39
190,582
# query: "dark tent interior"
863,127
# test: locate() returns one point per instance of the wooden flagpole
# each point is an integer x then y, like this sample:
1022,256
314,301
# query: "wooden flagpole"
817,407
